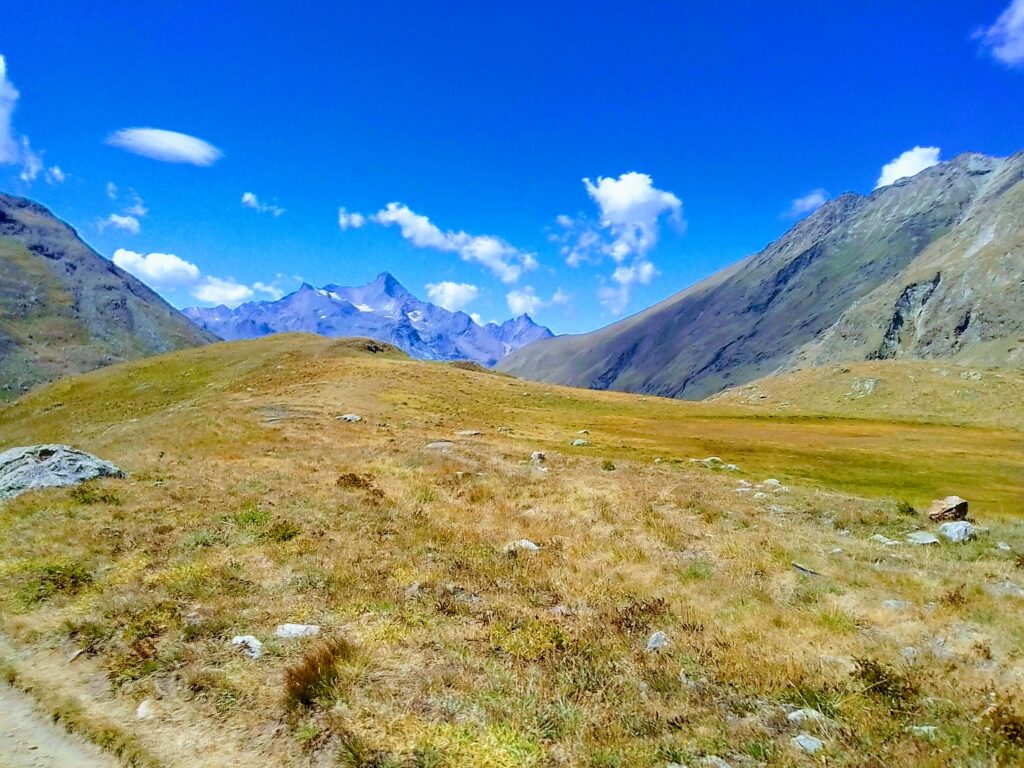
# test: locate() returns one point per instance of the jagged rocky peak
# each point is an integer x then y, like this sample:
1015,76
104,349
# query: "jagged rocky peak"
382,309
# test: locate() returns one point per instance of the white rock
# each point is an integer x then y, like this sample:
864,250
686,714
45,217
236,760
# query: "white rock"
440,445
771,482
836,551
958,531
250,646
732,468
351,418
924,731
579,442
806,715
145,710
49,466
1002,545
469,433
808,743
583,432
896,605
293,631
884,540
760,495
523,545
713,761
744,489
537,457
922,538
657,641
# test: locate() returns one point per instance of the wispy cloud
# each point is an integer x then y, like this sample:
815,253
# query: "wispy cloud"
128,224
15,149
525,301
452,296
348,220
910,163
505,261
808,203
1004,38
166,146
54,175
249,200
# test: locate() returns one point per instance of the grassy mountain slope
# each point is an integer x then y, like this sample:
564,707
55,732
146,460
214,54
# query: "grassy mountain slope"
936,392
249,504
828,290
65,309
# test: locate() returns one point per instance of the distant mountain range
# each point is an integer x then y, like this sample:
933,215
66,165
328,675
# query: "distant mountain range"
931,267
383,310
65,309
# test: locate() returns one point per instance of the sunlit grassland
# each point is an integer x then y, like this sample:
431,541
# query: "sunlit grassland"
250,504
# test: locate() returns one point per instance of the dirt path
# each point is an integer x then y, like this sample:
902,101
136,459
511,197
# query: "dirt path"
29,740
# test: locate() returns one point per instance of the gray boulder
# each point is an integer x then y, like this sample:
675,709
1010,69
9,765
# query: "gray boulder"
958,531
49,466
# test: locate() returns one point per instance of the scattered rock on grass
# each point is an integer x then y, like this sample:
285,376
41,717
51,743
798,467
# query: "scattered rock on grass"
579,442
293,631
949,508
250,646
145,710
805,715
885,541
351,418
896,605
958,531
537,457
1004,589
1003,546
49,466
807,743
923,731
440,445
523,545
657,641
921,538
469,433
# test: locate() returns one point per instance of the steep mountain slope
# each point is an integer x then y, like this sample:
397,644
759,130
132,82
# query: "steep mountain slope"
382,310
65,309
930,267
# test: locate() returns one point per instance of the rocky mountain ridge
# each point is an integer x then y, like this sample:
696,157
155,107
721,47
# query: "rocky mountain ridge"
382,309
931,267
65,309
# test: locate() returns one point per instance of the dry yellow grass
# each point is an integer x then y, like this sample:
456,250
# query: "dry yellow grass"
250,505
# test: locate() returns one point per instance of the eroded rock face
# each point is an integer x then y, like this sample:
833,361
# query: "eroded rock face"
49,466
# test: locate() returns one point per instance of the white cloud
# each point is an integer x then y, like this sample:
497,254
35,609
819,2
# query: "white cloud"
452,296
631,212
54,175
910,163
476,318
112,190
526,301
348,220
631,207
136,205
249,200
165,271
31,162
218,291
10,150
160,270
14,149
506,261
166,146
809,202
129,224
1004,39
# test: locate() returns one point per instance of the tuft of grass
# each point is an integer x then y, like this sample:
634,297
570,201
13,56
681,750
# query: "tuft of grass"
895,687
312,679
47,580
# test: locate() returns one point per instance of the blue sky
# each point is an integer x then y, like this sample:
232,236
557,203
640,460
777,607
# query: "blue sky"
698,127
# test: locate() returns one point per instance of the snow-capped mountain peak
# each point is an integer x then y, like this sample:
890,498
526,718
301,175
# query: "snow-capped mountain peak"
382,309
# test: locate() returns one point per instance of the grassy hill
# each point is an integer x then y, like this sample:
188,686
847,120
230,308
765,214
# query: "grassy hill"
250,504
